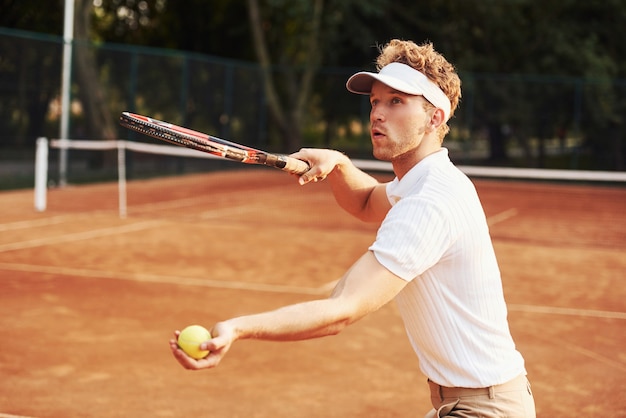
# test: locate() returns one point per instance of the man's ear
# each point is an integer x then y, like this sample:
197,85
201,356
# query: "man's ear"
438,118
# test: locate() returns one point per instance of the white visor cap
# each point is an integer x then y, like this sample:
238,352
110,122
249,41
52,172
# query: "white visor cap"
403,78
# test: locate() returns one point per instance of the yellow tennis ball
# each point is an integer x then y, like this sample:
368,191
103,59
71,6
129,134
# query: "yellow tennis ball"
190,339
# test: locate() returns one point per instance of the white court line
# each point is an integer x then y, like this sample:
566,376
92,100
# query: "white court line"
96,233
59,219
178,203
560,343
13,416
502,216
213,283
55,220
169,204
163,279
52,220
264,287
595,356
589,313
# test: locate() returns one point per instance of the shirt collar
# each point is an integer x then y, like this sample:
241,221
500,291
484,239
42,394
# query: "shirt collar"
399,188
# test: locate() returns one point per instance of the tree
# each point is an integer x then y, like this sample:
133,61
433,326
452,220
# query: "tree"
538,67
30,67
289,39
548,45
34,15
99,122
300,54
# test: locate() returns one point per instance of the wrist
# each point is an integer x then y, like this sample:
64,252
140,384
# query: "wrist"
341,161
232,328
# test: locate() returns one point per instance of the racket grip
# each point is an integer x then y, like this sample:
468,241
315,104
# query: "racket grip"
289,164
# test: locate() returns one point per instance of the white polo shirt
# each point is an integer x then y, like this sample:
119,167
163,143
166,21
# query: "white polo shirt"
436,237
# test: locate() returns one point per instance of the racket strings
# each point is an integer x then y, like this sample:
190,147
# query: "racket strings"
201,142
178,138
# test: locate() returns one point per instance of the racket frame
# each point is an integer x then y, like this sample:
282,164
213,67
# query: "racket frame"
199,141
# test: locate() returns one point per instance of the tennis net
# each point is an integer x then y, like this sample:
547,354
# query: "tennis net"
172,156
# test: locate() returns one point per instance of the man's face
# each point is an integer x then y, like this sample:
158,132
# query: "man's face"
398,122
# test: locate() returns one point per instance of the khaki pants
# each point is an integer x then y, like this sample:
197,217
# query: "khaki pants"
513,399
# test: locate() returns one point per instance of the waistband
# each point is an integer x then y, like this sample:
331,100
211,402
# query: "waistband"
442,392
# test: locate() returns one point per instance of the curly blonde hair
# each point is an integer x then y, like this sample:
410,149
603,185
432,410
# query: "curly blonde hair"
425,59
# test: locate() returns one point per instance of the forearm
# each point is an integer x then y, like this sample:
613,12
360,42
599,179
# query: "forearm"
355,191
301,321
363,289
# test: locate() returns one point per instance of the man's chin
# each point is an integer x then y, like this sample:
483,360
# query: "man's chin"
380,155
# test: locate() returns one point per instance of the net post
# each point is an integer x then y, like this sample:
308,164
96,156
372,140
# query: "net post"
41,174
121,178
66,81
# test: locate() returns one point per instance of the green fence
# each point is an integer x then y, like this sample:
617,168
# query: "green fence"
509,120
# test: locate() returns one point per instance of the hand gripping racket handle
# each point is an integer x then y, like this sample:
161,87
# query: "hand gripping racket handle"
285,163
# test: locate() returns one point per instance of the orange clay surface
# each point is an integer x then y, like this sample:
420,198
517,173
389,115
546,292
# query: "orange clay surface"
88,301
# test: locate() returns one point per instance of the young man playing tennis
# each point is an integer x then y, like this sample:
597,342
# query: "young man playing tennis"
432,254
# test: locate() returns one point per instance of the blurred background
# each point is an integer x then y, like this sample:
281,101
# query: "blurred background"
544,81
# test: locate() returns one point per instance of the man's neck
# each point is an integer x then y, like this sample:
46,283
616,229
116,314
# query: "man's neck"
405,162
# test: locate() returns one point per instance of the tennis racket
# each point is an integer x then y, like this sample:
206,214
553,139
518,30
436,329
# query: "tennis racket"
209,144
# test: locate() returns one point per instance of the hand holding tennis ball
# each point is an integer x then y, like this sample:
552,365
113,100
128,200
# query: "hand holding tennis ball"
190,338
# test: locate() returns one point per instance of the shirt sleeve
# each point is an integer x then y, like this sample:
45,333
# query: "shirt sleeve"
414,236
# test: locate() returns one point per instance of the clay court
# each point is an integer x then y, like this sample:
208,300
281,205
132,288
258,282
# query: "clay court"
88,301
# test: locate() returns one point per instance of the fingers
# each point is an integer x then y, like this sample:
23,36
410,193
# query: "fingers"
189,363
303,154
321,161
310,177
217,347
317,172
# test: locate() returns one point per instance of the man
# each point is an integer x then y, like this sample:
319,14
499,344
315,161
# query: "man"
432,254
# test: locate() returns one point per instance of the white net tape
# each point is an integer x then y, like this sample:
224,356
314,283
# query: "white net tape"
41,166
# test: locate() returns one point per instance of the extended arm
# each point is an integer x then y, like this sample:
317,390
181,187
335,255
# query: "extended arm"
356,192
366,287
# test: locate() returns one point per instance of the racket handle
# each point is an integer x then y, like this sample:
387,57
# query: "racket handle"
289,164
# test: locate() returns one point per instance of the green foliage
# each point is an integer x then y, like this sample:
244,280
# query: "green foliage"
45,16
536,67
219,27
